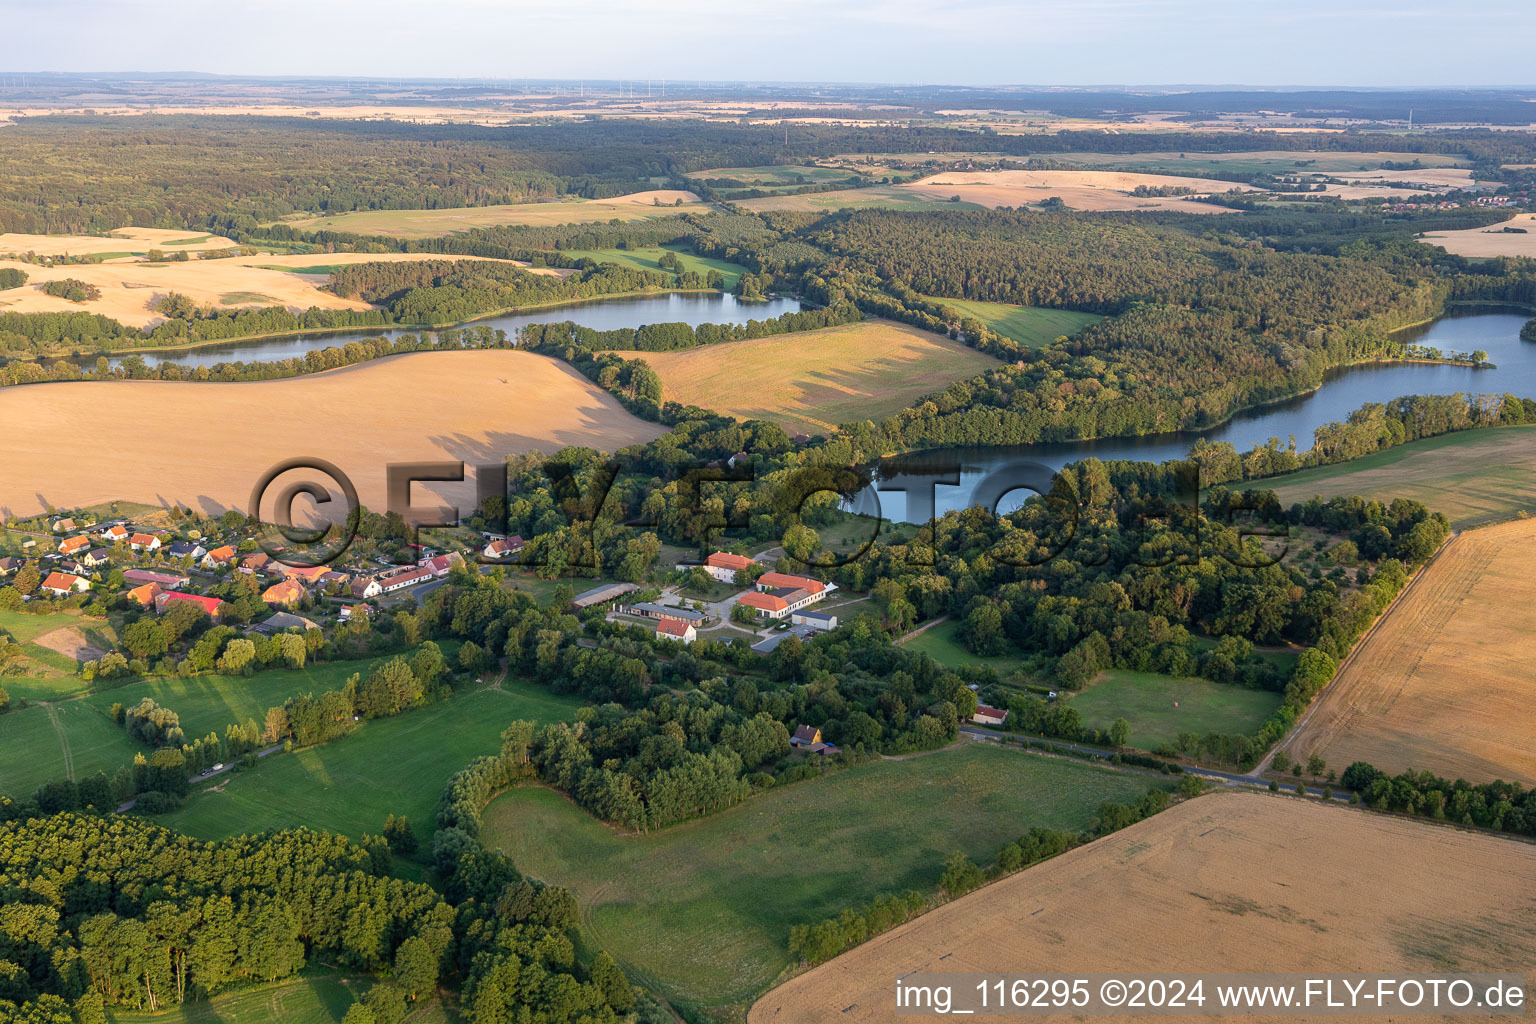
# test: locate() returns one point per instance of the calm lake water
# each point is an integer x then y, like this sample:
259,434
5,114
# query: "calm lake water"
599,314
1342,392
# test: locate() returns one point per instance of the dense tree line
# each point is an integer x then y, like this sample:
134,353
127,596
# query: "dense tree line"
673,337
12,277
1501,806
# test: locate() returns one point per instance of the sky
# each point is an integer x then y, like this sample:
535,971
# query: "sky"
958,42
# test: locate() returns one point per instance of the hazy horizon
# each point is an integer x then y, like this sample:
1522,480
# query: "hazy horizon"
1309,44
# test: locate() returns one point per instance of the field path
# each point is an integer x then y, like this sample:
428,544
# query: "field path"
58,727
923,628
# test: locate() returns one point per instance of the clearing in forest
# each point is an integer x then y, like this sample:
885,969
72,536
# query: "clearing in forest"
812,381
1444,682
1229,882
1160,707
1033,326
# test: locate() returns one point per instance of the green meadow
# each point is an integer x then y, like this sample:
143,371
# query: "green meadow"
703,910
1146,700
68,739
648,259
387,766
1027,325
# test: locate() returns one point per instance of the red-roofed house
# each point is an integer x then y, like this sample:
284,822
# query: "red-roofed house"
305,574
74,545
252,564
115,532
144,542
764,604
211,605
989,715
286,593
145,595
724,566
62,584
219,556
440,565
676,629
776,580
504,548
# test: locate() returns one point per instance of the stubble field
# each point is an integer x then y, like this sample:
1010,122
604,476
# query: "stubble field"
1490,241
1228,882
428,223
1445,681
209,443
814,380
130,287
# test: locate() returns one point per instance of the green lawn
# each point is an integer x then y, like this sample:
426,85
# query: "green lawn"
389,766
646,259
209,703
703,910
1146,700
317,996
318,268
50,675
1473,476
1027,325
68,739
942,644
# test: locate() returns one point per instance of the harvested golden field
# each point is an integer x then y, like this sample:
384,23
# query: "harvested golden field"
1081,190
206,444
1229,882
429,223
128,288
1490,241
1445,680
814,380
123,241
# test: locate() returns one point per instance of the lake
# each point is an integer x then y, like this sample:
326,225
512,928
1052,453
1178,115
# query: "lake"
692,308
1343,391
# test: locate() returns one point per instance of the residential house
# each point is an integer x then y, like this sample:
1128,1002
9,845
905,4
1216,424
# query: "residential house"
115,533
62,584
341,579
286,592
724,566
144,542
74,545
365,588
97,557
308,575
186,549
401,580
504,547
145,595
257,563
165,580
212,605
442,564
805,735
63,525
9,565
989,715
676,629
219,557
